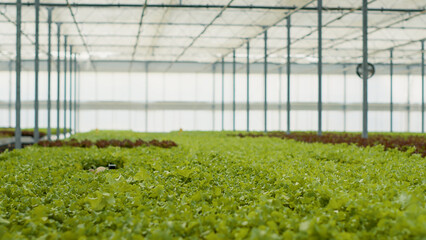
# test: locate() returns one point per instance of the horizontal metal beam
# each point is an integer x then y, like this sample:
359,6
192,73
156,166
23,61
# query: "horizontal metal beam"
200,67
115,46
204,6
207,37
408,59
240,106
216,25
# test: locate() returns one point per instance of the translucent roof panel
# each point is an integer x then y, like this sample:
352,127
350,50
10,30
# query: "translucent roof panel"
206,31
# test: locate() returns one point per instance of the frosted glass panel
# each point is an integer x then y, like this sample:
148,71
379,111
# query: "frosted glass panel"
114,100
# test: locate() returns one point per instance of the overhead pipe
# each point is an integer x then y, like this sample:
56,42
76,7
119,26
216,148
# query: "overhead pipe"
208,6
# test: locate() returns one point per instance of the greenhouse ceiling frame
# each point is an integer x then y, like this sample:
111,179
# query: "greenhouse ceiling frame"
309,9
204,6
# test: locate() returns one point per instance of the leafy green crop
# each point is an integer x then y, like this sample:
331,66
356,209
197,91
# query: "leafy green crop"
415,143
213,187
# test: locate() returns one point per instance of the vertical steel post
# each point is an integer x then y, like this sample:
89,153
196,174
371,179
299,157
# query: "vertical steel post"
96,89
344,98
75,93
65,85
423,86
265,68
233,90
279,97
248,86
319,67
49,71
129,95
58,68
288,73
223,93
214,97
18,144
36,69
146,96
10,94
78,104
408,99
70,99
391,90
364,69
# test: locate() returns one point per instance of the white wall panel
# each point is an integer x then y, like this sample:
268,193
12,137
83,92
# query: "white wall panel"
197,87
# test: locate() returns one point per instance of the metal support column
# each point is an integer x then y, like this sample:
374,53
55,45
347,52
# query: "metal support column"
65,85
78,104
214,97
408,99
129,99
58,68
364,69
18,144
75,93
49,71
36,69
319,67
344,98
391,90
233,90
280,70
70,99
423,86
146,96
265,68
223,93
10,94
248,86
288,73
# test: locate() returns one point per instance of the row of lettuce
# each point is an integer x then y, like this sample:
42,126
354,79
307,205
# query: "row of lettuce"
414,143
26,132
212,186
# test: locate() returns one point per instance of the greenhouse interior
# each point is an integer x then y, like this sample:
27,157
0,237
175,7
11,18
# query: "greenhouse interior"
215,119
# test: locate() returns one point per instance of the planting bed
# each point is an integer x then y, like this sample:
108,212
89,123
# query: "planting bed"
212,186
11,146
7,141
25,133
28,132
415,143
126,143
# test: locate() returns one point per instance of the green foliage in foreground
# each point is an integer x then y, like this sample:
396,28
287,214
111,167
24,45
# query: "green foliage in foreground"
213,187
